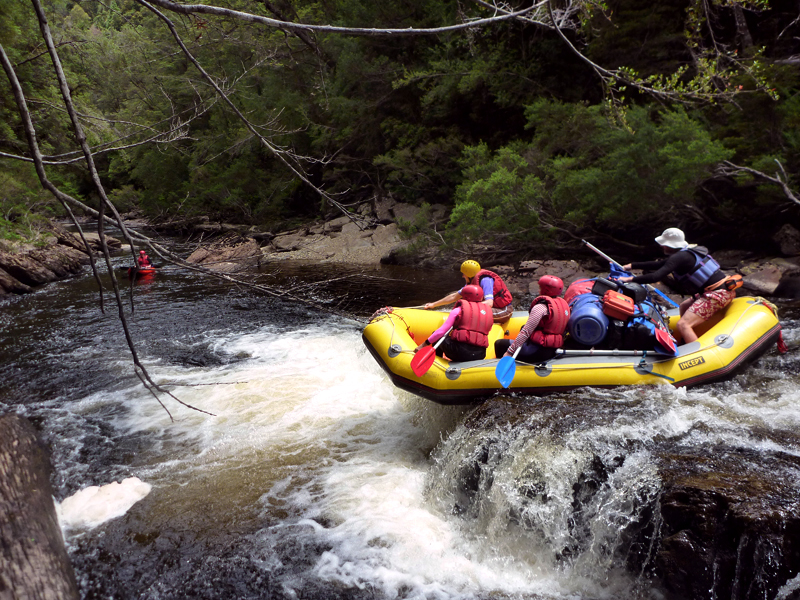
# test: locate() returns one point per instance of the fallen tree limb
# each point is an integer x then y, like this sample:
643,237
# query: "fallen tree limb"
34,561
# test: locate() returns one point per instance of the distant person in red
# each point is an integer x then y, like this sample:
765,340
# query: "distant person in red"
144,260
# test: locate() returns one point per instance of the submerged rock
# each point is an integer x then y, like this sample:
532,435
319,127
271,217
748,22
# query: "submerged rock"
705,521
730,526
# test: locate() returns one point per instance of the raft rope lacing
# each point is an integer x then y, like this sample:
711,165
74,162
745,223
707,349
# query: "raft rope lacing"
385,312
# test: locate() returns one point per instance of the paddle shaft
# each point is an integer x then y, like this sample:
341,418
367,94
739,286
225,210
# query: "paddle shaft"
601,253
441,339
611,260
562,352
506,368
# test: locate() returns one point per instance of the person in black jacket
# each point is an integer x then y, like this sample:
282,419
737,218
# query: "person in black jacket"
689,269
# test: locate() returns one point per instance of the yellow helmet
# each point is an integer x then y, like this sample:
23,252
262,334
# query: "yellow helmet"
470,268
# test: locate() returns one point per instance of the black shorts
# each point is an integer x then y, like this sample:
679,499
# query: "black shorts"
530,352
460,351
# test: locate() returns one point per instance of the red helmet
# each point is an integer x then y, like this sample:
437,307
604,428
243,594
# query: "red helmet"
141,252
472,293
550,285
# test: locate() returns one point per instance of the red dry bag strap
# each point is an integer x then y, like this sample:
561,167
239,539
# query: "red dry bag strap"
782,347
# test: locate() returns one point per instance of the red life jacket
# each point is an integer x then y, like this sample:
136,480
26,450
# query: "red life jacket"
550,331
502,297
473,324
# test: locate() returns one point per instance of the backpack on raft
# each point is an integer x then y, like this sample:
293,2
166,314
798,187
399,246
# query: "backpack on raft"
607,314
644,330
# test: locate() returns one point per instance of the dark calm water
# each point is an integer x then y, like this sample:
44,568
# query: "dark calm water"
314,477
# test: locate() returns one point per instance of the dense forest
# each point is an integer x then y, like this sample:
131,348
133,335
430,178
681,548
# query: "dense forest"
534,124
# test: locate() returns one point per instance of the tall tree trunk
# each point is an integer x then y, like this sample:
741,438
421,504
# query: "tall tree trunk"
34,564
742,31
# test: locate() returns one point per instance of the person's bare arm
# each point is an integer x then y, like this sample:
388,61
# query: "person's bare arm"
449,299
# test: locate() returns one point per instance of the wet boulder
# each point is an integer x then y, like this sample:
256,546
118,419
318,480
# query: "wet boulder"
67,238
56,254
229,253
789,285
763,277
93,239
11,285
700,521
730,526
26,269
61,260
290,241
788,238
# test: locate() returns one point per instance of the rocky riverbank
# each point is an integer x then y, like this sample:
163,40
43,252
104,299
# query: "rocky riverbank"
57,254
372,235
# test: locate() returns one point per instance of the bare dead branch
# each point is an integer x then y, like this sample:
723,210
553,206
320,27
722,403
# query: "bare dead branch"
780,179
66,95
30,133
303,36
190,9
160,137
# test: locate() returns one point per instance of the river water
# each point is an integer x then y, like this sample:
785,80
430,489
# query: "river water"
313,477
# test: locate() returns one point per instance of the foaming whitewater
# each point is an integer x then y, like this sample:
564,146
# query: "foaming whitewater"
308,437
94,505
305,473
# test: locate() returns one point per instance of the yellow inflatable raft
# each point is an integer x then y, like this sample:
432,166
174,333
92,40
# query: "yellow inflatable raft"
746,329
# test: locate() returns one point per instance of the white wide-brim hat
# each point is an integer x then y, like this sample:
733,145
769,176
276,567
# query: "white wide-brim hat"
672,238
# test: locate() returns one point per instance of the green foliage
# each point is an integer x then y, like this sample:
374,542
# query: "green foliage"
24,206
504,123
626,178
500,199
421,230
419,167
582,172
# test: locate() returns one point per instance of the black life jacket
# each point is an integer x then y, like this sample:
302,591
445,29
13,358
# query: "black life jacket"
701,274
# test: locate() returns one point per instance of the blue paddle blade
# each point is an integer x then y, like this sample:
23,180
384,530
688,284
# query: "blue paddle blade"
505,370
